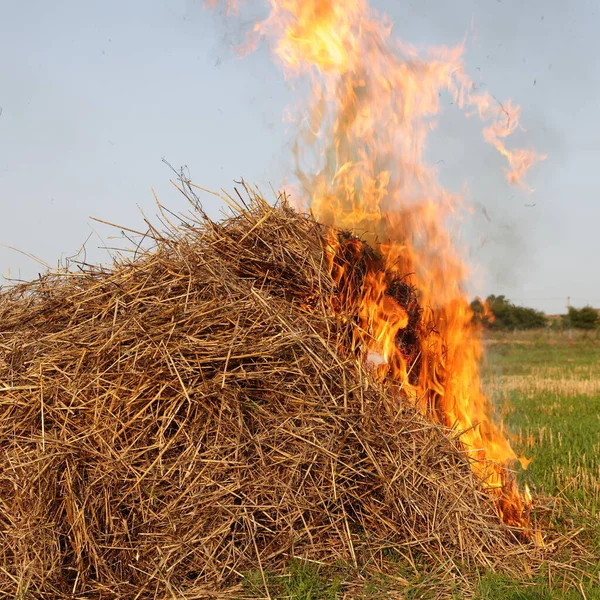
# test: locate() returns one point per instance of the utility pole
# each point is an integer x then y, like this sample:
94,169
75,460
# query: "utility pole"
569,317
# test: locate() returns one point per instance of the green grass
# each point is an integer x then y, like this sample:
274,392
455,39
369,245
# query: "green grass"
304,581
547,390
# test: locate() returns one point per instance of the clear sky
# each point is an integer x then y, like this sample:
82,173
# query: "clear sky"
94,94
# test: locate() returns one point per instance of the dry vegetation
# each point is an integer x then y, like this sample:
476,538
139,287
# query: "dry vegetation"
551,381
193,414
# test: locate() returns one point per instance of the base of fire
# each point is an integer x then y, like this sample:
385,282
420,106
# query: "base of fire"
201,411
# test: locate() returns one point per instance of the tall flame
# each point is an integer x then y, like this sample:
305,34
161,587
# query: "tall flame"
374,101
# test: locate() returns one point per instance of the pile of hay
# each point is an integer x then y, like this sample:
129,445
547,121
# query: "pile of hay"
194,413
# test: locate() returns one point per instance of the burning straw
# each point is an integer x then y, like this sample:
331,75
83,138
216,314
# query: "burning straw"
198,411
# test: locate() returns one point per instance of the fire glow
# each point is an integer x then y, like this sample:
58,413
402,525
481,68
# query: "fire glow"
374,102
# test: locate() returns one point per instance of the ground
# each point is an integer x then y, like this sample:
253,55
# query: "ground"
546,387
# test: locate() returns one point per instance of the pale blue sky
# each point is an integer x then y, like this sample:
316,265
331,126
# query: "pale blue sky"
94,94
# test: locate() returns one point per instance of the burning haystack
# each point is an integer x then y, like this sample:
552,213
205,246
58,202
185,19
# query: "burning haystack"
204,409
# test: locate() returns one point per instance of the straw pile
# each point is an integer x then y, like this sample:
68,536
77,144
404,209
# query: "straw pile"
193,413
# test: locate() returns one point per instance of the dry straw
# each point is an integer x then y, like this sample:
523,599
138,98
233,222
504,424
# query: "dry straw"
193,413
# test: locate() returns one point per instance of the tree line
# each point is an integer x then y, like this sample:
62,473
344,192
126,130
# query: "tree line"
498,312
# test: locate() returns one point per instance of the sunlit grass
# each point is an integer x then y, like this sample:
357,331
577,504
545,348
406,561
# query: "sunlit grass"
546,387
549,395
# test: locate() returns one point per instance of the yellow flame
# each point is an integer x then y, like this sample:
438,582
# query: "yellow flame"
525,462
374,102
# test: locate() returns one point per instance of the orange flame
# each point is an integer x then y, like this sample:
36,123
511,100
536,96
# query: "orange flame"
374,103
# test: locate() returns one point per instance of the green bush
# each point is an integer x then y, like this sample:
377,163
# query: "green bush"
502,314
582,318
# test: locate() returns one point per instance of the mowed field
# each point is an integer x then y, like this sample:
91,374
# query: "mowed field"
546,388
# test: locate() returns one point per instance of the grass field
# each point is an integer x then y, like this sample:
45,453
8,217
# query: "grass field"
546,387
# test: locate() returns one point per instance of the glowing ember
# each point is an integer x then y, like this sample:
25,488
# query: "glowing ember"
374,103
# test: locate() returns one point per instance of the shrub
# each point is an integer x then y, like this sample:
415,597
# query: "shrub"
583,318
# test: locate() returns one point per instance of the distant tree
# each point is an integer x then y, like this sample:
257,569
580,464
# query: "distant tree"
503,311
529,318
480,312
583,318
498,312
